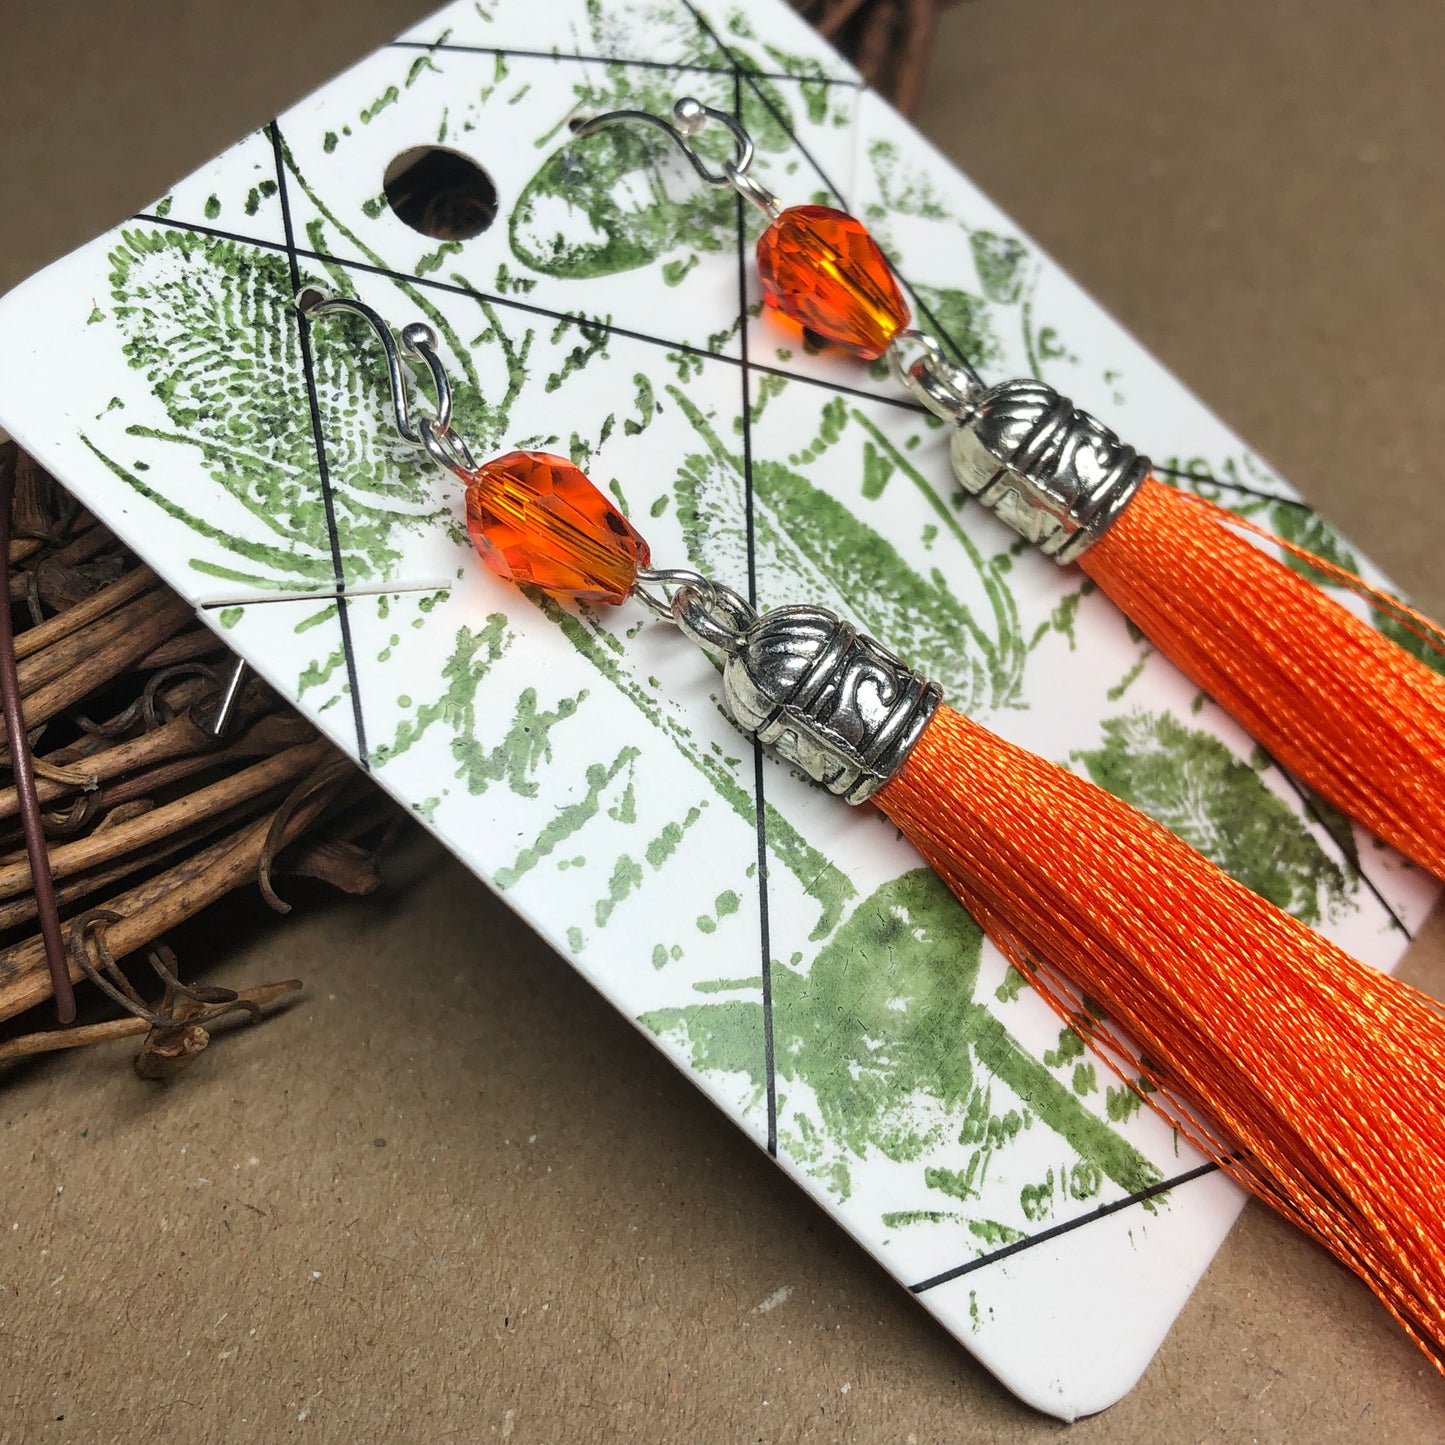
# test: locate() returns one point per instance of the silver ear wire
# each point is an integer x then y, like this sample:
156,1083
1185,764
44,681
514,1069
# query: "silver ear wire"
689,115
418,341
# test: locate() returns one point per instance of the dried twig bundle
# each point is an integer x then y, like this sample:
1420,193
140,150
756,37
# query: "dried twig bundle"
149,811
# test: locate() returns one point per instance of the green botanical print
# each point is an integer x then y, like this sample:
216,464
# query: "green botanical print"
566,822
522,749
480,413
209,323
1339,827
885,1028
1002,263
1426,643
611,202
622,226
1303,528
964,317
809,543
823,881
810,74
1192,784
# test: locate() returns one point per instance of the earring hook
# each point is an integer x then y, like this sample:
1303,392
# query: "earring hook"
419,342
689,116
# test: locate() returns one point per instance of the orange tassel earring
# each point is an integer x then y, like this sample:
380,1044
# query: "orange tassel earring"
1349,712
1339,704
1314,1080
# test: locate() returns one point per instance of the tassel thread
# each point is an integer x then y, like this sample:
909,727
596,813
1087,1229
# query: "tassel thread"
1342,707
1314,1080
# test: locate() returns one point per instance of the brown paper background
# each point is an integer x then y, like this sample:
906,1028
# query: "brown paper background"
450,1196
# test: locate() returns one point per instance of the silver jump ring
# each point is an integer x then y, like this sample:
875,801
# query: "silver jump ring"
712,615
447,448
668,580
948,390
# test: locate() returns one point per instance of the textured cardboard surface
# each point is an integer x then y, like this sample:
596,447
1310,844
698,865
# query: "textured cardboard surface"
554,1239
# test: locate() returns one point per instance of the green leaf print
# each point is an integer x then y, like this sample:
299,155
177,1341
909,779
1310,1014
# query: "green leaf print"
808,545
1425,645
1191,783
623,198
480,413
964,317
602,205
1001,262
886,1031
1303,528
209,323
522,750
829,887
1337,825
1297,524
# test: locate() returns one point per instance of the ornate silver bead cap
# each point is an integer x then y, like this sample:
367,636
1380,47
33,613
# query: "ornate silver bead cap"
1053,473
820,695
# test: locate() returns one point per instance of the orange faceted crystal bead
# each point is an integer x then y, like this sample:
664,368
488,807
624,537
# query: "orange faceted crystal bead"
821,268
536,518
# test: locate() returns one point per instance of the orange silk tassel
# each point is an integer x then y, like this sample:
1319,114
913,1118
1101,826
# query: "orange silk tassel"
1345,709
1322,1080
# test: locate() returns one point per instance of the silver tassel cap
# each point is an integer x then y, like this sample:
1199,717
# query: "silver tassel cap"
809,686
821,695
1052,472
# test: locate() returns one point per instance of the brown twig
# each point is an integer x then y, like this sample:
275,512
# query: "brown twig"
890,41
107,599
183,647
835,16
92,540
154,615
26,1046
876,42
21,910
37,511
161,700
103,846
158,620
47,911
151,908
180,740
164,775
920,28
